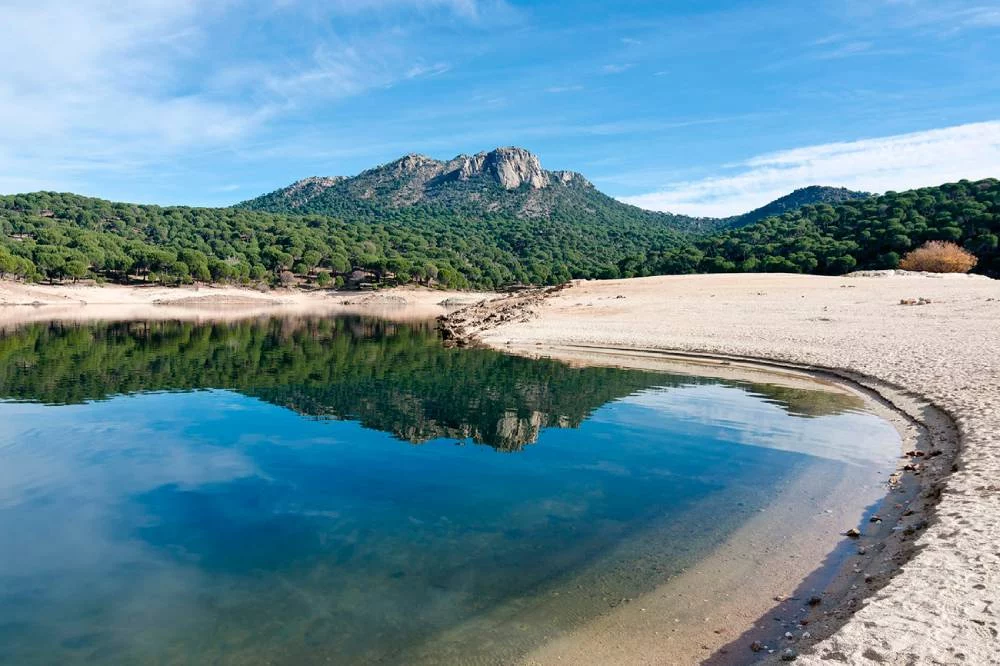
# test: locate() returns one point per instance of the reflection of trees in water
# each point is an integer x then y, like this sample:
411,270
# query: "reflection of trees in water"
393,377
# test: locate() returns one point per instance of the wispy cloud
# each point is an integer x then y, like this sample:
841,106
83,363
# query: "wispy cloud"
99,86
472,9
889,163
942,18
115,87
846,50
563,89
617,68
422,69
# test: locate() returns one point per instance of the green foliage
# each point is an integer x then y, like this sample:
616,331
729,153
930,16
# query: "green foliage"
864,234
323,279
123,242
806,196
64,236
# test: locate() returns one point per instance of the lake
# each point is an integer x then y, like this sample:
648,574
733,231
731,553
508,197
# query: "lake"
349,491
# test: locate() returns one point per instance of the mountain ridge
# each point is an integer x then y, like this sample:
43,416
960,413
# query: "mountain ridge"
508,180
471,233
810,195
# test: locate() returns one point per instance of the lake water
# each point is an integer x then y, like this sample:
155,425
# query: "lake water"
348,491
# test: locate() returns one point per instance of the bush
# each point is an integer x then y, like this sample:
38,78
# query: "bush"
939,257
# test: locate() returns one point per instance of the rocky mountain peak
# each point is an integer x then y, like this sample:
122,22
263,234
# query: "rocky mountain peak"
503,180
412,163
511,167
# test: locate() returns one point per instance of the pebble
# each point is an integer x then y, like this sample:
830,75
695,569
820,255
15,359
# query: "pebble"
815,601
756,646
854,533
789,655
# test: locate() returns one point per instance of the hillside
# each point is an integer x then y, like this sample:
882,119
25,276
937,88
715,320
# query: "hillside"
47,235
863,233
429,228
508,182
505,182
806,196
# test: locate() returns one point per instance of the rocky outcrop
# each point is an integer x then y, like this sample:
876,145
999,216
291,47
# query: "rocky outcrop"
313,185
503,180
510,167
567,177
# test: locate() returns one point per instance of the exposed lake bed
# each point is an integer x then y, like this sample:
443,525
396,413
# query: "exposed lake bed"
614,483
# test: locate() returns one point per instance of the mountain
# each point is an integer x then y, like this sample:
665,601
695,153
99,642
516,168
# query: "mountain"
507,182
504,182
486,221
806,196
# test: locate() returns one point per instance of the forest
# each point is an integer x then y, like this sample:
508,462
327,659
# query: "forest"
48,236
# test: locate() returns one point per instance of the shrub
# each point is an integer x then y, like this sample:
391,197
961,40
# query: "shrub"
939,257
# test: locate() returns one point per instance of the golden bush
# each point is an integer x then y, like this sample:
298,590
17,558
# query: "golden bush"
939,257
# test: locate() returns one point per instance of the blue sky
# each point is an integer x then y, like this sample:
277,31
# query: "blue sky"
708,107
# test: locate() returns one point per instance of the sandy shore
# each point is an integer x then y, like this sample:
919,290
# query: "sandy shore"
20,302
941,607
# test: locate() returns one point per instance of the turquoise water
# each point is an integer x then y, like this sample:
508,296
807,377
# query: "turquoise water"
348,491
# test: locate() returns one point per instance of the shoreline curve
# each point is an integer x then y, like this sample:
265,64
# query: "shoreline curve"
940,606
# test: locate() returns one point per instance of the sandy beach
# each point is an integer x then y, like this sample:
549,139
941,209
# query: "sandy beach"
940,608
928,366
20,302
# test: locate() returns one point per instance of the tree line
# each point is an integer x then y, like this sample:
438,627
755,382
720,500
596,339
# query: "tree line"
52,236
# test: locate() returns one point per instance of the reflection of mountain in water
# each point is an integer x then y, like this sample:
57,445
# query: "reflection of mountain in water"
392,377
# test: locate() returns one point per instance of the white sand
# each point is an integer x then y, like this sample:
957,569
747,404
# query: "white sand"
942,607
21,302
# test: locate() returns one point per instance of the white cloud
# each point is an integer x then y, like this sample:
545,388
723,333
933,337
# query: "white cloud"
94,83
617,68
421,70
897,162
944,18
99,85
468,9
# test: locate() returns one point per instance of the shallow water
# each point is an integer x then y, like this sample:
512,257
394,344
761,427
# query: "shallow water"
349,491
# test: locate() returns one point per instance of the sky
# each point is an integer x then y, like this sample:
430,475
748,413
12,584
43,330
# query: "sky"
704,107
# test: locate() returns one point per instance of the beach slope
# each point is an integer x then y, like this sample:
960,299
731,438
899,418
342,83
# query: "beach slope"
928,336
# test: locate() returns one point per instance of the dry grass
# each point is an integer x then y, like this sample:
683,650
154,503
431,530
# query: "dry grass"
939,257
